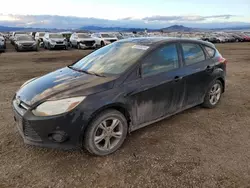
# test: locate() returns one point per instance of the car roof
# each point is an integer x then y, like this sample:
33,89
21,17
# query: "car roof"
153,41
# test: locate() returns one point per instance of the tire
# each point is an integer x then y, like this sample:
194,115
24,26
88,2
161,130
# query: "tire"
212,100
17,49
105,134
78,46
102,44
49,47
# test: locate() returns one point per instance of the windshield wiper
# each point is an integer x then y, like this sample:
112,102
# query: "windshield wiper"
87,72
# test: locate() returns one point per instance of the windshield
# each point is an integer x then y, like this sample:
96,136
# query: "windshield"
21,33
112,59
41,34
107,36
55,35
24,38
83,36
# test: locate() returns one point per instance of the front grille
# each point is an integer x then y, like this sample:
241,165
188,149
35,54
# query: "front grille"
112,40
59,42
27,45
88,43
29,132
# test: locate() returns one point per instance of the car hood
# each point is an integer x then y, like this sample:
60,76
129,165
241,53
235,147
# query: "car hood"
57,39
86,39
63,83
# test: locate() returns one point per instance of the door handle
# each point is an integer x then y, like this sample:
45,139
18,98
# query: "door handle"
177,78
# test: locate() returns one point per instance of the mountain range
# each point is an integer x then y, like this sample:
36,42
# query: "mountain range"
173,28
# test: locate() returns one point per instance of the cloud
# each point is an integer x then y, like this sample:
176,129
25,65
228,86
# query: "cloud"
154,22
186,18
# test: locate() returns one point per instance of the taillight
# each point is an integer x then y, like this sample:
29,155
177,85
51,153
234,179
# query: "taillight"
222,60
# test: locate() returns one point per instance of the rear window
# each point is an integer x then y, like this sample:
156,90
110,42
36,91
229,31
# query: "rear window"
210,51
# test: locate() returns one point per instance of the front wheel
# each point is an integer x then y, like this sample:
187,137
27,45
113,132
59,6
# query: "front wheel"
78,46
106,133
213,95
17,48
49,46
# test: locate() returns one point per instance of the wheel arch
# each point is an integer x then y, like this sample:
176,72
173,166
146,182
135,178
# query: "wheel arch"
115,106
222,82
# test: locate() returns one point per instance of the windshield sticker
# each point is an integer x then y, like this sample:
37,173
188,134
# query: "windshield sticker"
140,47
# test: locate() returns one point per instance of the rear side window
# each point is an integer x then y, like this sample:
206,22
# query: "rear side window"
193,53
163,59
210,51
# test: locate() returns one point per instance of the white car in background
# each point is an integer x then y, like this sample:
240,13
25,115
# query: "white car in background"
39,36
82,41
54,40
103,39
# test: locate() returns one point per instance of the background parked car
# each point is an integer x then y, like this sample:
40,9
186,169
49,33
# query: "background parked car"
15,34
82,41
39,36
67,36
25,43
2,44
103,39
54,40
3,40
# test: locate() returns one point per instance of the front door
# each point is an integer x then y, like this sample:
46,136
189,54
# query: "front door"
160,89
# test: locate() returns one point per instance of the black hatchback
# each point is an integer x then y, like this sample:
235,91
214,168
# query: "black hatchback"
117,89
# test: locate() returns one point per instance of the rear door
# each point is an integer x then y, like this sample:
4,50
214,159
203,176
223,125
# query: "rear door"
198,69
159,91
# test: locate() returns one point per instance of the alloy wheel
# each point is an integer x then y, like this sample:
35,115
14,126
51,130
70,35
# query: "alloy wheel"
108,134
215,94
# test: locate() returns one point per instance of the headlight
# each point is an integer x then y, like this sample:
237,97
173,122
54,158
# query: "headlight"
25,83
51,108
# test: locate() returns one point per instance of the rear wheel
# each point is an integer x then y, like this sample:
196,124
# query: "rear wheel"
106,133
213,95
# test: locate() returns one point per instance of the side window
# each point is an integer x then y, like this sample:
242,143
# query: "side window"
210,51
163,59
193,53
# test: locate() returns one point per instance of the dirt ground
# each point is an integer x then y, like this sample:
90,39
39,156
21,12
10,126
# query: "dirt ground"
197,148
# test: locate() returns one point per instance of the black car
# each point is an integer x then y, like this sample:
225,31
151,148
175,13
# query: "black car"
117,89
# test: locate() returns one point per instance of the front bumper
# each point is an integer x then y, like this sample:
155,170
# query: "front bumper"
38,130
2,48
84,46
33,47
58,46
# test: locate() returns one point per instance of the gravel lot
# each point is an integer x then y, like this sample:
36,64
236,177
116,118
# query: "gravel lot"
197,148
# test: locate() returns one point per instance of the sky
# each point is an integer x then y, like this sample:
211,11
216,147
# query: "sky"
125,13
